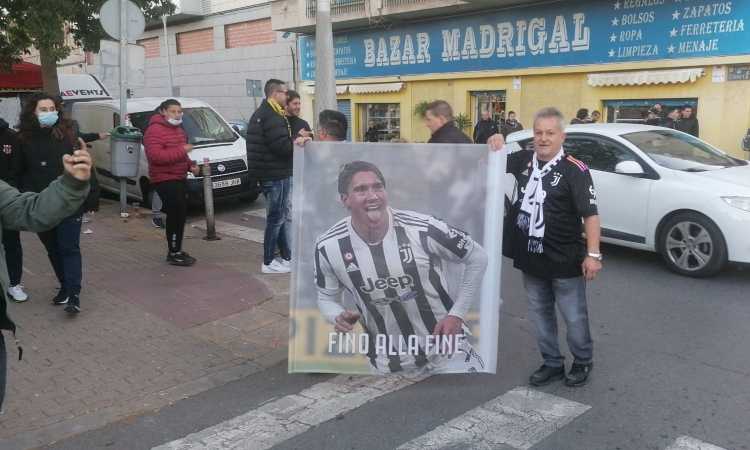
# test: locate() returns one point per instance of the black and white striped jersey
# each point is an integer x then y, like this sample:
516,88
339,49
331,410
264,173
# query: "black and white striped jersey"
399,286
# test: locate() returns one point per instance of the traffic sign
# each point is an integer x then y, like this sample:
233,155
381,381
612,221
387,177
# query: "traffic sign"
109,16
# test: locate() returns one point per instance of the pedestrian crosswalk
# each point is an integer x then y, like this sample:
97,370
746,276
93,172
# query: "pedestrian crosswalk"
518,419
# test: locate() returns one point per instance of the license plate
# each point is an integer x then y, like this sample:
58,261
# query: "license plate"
227,183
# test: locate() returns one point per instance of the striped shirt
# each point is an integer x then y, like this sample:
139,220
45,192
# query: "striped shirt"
399,286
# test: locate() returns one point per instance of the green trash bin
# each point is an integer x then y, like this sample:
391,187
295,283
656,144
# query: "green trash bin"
125,143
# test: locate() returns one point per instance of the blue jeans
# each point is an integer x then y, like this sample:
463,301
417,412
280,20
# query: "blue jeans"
278,219
570,296
64,251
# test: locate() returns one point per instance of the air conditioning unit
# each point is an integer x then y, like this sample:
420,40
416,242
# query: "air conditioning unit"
189,7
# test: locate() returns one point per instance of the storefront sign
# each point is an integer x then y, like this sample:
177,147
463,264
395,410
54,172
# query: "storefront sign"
558,34
382,282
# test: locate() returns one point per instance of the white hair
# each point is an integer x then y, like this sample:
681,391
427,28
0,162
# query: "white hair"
551,112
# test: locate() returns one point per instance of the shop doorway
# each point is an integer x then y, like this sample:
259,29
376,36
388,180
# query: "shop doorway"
493,101
635,111
380,122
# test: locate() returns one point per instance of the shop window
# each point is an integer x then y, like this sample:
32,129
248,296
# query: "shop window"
381,122
636,111
493,101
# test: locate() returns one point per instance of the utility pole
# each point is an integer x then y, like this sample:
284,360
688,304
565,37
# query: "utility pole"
170,80
325,70
123,91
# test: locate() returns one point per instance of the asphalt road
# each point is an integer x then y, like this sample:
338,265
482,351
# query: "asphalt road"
672,359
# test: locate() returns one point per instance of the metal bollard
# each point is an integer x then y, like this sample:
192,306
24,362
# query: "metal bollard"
208,202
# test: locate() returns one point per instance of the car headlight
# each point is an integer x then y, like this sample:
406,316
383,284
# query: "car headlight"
742,203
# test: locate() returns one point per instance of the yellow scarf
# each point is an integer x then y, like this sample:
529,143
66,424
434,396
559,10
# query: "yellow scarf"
280,111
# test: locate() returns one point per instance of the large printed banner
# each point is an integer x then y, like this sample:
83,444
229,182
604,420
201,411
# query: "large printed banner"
397,258
556,34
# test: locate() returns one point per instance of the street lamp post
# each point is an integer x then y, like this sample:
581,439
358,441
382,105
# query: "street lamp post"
325,70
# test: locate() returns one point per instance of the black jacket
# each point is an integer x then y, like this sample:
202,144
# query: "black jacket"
269,145
40,163
689,126
449,134
483,130
9,157
509,127
297,123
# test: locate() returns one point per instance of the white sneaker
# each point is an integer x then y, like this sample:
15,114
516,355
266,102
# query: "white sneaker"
275,267
286,262
17,293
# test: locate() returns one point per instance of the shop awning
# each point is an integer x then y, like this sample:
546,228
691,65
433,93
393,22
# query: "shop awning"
340,89
375,88
22,77
645,77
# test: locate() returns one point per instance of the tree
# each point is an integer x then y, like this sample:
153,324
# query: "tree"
43,24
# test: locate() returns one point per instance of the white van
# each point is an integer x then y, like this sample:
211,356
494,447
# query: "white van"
210,134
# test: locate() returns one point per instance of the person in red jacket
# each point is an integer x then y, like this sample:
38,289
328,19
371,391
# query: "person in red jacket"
168,164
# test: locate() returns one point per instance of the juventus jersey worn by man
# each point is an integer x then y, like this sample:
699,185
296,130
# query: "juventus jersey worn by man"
570,196
399,286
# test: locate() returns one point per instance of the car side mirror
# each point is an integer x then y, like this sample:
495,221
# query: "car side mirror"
631,168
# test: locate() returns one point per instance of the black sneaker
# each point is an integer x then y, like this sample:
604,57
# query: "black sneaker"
578,375
74,304
60,299
180,259
157,221
546,375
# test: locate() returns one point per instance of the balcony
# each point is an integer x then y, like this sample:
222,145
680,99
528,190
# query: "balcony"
338,7
298,16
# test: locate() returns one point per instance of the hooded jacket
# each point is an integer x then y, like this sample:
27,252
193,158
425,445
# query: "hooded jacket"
164,144
449,134
269,145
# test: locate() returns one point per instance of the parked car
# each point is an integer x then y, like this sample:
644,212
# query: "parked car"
210,134
664,191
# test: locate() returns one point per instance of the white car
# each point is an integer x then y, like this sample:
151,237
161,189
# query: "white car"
664,191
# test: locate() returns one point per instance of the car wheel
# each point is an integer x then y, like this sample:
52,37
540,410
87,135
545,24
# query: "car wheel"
692,245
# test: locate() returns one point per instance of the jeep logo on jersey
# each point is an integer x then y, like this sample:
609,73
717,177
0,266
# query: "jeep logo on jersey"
381,284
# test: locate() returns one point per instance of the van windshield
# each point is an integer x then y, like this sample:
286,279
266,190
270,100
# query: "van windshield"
202,125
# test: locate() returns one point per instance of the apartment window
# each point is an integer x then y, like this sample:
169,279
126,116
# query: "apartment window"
246,34
151,45
381,122
195,41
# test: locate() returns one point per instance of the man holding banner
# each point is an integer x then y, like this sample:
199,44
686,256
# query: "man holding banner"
557,194
393,263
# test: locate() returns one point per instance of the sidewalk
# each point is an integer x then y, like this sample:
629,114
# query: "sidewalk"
149,334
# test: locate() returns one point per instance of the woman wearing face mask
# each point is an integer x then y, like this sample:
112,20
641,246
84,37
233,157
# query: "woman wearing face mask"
44,138
168,163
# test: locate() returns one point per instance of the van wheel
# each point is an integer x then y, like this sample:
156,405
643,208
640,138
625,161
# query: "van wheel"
691,244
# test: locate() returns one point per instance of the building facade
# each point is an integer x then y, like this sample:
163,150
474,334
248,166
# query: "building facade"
214,51
619,57
215,47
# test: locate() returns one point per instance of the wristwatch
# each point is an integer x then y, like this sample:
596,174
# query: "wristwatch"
596,256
